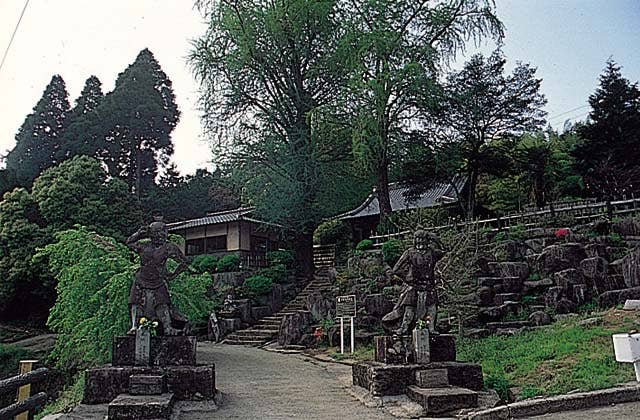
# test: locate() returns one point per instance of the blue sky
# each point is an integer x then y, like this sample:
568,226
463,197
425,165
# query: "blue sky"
568,41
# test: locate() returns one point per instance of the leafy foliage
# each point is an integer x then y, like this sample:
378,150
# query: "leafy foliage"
391,251
205,263
331,232
94,275
364,245
280,257
229,262
258,285
78,191
23,283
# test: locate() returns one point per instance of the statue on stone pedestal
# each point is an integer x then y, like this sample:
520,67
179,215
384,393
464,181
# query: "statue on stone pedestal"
149,295
418,298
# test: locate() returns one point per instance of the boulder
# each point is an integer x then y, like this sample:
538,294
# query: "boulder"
552,296
631,305
556,258
596,250
510,269
534,246
540,318
378,305
595,271
565,306
567,278
293,327
536,285
618,297
485,296
631,269
319,306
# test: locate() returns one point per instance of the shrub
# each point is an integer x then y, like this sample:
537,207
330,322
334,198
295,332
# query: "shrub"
280,257
205,263
364,244
278,273
499,383
227,263
258,285
391,251
331,232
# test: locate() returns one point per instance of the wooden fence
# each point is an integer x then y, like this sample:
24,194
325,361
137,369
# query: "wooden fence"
582,211
22,382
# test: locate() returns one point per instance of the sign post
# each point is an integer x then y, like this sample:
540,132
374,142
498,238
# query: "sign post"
346,307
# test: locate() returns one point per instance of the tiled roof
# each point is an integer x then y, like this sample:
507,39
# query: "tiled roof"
440,193
213,218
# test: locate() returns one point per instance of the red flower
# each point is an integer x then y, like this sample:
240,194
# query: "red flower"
317,333
561,233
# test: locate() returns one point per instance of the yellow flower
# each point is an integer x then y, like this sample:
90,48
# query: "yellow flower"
143,320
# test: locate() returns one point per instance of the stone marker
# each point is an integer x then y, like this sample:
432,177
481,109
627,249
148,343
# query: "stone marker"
421,347
632,305
142,347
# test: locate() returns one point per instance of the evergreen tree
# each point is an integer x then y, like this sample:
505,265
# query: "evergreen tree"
136,121
608,157
81,122
39,138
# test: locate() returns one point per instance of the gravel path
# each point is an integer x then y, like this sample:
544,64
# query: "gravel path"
257,384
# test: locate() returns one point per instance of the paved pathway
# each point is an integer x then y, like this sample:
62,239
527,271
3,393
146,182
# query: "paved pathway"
258,384
613,412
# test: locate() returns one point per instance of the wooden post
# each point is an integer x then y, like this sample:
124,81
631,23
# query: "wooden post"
24,391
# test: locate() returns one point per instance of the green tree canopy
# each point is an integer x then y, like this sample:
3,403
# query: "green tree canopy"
607,159
480,105
269,72
396,48
78,191
38,139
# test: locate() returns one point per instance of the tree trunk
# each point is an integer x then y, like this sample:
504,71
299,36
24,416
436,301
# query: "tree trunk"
471,195
383,191
304,254
138,174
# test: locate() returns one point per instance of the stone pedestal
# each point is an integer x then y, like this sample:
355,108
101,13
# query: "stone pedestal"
139,390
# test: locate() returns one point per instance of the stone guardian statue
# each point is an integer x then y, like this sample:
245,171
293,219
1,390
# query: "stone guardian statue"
418,298
149,295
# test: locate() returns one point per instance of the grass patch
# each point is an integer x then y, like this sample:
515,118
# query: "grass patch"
361,354
553,360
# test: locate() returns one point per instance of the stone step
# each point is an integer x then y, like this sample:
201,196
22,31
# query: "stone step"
254,333
142,384
502,298
432,378
442,400
142,407
252,343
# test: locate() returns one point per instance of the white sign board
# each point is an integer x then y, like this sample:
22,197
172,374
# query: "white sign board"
346,308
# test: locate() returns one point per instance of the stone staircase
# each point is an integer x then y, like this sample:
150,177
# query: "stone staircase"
324,256
267,328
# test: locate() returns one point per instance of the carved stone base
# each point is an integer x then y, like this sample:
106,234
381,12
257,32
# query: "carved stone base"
399,350
393,379
105,383
164,351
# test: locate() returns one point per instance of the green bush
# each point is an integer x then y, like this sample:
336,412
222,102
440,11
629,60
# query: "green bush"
257,285
364,244
331,232
205,264
391,251
278,273
227,263
280,257
10,357
499,383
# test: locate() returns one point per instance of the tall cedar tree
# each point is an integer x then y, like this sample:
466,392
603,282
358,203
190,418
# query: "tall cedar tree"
396,48
79,137
269,72
38,139
134,123
608,157
482,104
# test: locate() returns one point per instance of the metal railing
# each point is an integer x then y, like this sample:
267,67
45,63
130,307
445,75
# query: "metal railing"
581,211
